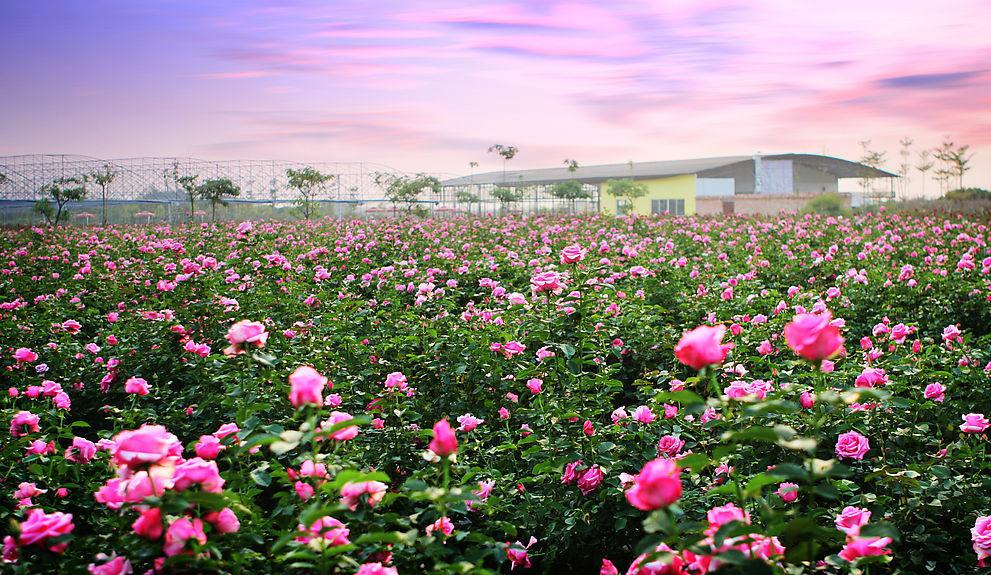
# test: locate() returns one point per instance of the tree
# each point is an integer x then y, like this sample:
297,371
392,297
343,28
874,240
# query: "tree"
63,191
572,165
872,159
507,153
3,178
506,196
959,161
466,197
925,163
214,191
103,178
628,189
905,167
188,184
307,182
406,189
570,190
944,170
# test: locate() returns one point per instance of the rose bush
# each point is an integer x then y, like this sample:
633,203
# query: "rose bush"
584,394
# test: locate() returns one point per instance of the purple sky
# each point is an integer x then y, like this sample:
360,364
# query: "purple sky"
430,85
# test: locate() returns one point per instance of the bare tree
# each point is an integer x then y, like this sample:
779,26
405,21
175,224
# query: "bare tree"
905,166
507,153
872,159
924,164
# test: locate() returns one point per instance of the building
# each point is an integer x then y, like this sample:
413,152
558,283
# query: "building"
734,184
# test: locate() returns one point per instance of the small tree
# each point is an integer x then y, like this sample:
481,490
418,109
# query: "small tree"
959,161
3,178
466,197
506,196
103,178
905,167
62,191
925,163
188,185
215,192
570,190
507,153
307,182
406,189
628,189
872,159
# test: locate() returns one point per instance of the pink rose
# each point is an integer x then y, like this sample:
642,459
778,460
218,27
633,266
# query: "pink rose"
865,547
375,569
197,471
332,531
113,565
39,527
591,479
670,445
702,347
224,521
25,355
813,337
935,392
719,516
146,445
82,450
23,423
351,493
980,536
468,422
209,447
244,334
788,492
444,442
572,254
974,423
306,386
181,531
136,385
852,445
851,519
657,485
345,433
149,524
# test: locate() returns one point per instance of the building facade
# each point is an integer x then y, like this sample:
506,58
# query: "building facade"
767,184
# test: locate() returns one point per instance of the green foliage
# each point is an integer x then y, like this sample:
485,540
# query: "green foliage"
216,191
401,189
507,195
627,189
307,181
828,204
62,191
103,177
968,194
570,190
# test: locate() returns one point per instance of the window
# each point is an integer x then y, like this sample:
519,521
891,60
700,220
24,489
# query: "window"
673,207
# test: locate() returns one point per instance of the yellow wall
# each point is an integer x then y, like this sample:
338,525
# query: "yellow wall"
671,188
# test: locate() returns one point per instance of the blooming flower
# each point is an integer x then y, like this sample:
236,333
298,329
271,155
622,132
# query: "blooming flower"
444,442
974,423
702,347
244,334
306,386
657,485
813,337
852,445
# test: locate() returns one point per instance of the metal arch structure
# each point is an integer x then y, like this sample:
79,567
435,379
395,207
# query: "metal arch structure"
150,178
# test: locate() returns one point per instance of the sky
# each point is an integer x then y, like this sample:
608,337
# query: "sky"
430,85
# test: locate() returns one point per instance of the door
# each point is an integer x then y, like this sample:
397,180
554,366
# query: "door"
729,208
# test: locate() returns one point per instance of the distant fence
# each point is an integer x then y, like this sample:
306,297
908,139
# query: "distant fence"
145,191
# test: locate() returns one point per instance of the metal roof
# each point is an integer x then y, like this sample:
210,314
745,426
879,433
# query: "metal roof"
644,170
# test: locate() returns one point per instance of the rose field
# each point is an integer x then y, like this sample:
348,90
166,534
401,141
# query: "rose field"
800,394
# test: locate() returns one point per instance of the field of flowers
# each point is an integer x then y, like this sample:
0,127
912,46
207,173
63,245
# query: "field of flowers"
546,395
